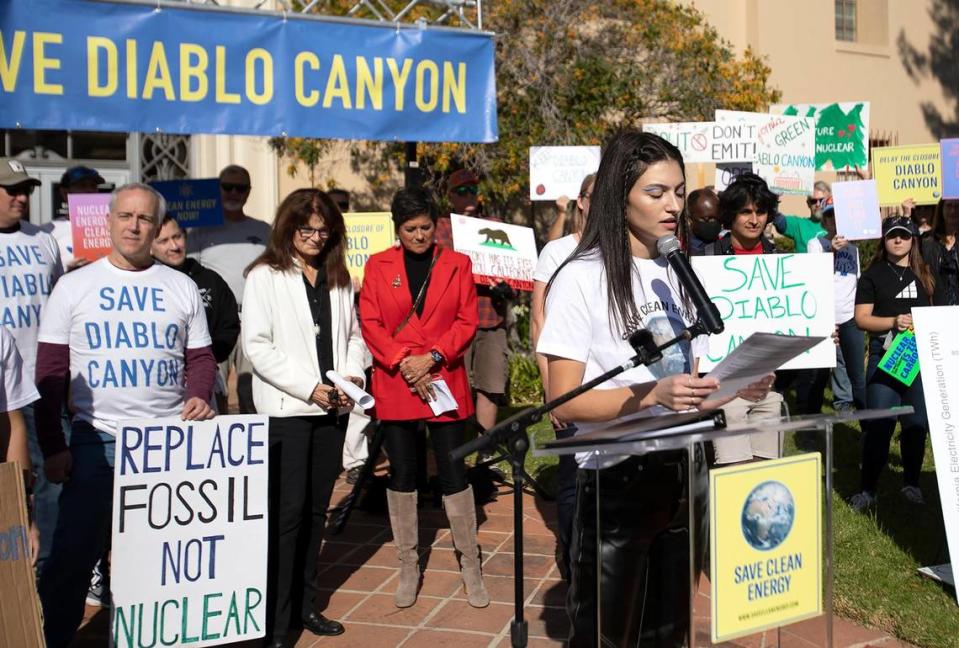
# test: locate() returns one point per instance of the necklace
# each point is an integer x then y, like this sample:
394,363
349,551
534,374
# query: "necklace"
899,275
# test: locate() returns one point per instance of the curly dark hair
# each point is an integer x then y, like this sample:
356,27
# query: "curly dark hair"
746,188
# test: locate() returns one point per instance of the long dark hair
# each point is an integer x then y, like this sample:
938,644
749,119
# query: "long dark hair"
626,157
939,220
916,263
294,212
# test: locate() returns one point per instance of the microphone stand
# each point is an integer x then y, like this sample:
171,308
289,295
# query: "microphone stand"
512,433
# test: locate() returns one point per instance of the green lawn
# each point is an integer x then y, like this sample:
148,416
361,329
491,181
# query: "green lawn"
876,554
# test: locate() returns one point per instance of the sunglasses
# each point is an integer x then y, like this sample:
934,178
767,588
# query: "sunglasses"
466,189
20,190
237,188
309,232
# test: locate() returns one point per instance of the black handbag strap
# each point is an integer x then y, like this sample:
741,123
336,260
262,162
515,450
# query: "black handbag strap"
421,295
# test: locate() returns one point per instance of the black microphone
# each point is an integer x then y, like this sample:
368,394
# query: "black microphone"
706,311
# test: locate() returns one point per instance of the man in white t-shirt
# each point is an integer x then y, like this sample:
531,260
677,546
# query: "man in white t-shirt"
29,267
228,250
17,392
128,338
849,376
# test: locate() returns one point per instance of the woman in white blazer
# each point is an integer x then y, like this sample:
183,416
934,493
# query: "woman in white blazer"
299,322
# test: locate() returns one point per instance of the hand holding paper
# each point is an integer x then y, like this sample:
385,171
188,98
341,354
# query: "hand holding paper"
357,395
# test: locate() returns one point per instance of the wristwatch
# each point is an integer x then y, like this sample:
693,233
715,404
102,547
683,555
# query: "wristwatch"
437,356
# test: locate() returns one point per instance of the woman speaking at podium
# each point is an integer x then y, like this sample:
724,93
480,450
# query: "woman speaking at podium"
614,284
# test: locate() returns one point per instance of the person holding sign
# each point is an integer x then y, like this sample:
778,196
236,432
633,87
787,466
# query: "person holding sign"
896,281
299,323
744,209
614,284
128,338
418,306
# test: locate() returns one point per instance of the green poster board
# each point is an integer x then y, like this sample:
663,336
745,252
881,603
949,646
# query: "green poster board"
902,358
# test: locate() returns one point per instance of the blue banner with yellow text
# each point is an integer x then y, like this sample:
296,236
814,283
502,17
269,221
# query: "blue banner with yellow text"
103,66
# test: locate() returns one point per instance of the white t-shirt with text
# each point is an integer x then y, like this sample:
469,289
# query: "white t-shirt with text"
229,248
16,389
62,232
29,267
552,256
846,271
128,332
579,327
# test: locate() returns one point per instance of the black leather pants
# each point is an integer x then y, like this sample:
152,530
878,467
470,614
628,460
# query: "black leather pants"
642,546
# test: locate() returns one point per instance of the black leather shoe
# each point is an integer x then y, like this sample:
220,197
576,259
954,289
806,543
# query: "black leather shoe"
320,625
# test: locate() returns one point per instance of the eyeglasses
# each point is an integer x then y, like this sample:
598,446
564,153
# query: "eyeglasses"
466,189
308,232
20,190
237,188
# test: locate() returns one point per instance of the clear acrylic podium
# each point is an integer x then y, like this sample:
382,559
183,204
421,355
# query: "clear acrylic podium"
637,436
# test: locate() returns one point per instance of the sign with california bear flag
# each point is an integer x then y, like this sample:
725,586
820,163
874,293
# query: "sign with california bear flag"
499,251
190,531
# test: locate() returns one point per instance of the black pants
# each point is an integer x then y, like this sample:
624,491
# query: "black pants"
400,441
305,460
566,499
882,392
643,544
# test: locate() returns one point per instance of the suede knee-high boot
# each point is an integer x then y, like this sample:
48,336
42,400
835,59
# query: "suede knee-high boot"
461,511
403,520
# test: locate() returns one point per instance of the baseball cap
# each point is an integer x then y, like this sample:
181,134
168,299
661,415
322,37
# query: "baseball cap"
899,224
462,177
12,174
78,173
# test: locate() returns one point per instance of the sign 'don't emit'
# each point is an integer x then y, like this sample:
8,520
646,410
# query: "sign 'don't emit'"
190,531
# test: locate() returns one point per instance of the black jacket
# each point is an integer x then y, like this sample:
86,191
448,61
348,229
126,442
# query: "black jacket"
222,314
724,246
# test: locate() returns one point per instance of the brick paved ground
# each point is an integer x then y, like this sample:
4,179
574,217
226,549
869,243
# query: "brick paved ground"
359,575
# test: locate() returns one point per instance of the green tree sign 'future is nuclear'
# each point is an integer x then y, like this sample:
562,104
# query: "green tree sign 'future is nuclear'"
842,132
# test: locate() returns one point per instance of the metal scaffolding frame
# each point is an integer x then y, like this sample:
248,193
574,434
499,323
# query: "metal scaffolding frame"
461,14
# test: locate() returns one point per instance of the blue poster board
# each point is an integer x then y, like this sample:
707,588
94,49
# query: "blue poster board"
950,168
193,203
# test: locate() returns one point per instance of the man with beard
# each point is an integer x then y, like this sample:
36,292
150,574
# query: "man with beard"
227,250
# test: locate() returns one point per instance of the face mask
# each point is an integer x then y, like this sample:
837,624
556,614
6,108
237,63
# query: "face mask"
707,230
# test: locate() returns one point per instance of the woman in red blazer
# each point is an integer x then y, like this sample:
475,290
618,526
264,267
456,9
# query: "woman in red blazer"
418,315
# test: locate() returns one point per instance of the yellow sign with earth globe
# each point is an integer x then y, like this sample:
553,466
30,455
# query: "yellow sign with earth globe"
765,544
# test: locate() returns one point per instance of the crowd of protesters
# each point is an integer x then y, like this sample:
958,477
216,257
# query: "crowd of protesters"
276,307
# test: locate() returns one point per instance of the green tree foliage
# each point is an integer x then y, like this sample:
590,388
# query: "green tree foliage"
570,71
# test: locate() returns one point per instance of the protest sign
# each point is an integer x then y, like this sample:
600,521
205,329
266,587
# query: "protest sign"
193,203
366,234
785,149
938,348
765,539
903,172
949,151
88,221
790,294
901,360
556,171
856,208
727,172
842,132
20,622
189,531
500,252
709,141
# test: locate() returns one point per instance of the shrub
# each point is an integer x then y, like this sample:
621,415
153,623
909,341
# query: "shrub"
525,387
